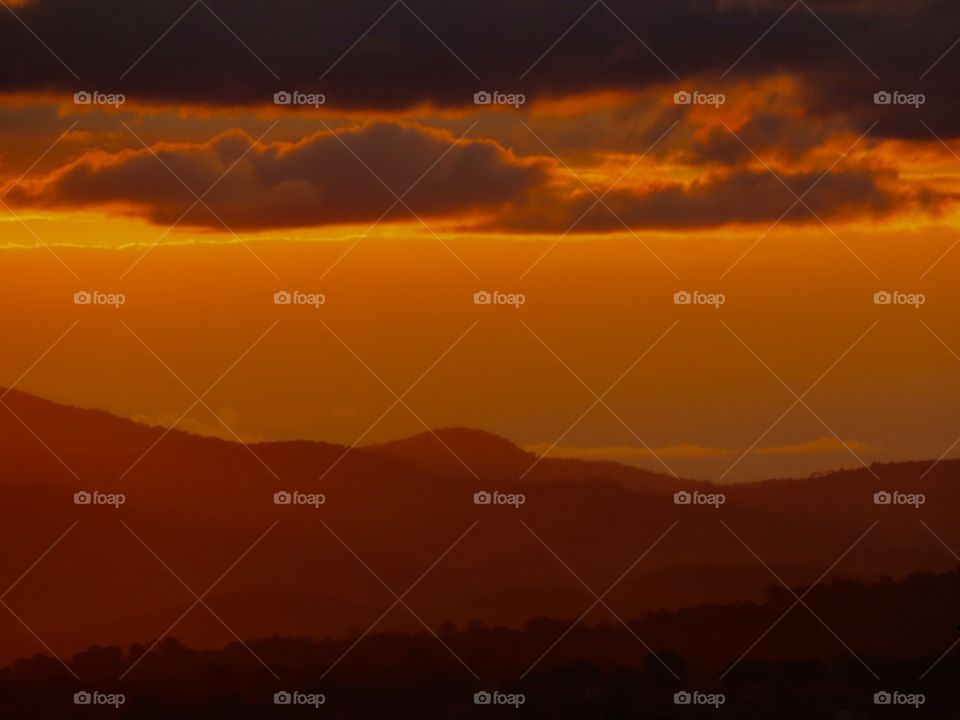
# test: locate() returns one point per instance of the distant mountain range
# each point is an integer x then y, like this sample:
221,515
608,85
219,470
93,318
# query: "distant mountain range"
396,512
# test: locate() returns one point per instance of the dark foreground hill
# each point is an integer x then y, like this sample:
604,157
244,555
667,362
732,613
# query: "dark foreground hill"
887,637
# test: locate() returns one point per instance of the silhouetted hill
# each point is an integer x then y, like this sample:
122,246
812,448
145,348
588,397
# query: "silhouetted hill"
395,513
485,454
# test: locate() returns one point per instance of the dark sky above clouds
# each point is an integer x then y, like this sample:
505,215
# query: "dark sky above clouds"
441,52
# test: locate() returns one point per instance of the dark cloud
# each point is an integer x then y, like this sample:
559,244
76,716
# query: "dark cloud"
350,176
324,179
328,179
737,198
776,135
400,63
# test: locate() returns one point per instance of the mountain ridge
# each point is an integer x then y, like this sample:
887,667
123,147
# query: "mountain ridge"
392,510
454,451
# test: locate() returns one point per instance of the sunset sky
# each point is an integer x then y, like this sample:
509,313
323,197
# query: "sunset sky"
787,186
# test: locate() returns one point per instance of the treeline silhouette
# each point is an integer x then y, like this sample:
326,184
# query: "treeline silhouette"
898,631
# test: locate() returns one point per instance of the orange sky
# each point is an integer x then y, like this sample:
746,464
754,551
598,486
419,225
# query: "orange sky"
798,300
598,204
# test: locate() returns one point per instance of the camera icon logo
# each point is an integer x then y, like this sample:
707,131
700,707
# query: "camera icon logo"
282,698
882,498
82,498
682,297
482,498
82,98
682,97
82,298
682,497
882,298
482,98
282,498
882,98
282,98
882,698
682,698
82,698
482,698
482,298
282,297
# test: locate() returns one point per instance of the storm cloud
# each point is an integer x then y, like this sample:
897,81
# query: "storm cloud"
387,55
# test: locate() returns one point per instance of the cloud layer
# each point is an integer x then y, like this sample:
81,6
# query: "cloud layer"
391,172
800,80
434,51
352,176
